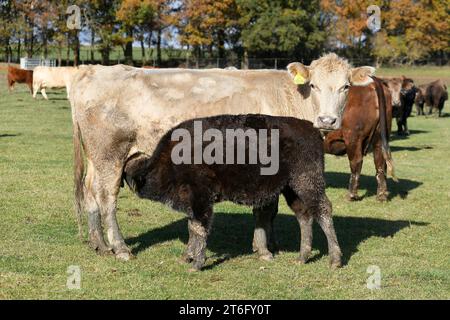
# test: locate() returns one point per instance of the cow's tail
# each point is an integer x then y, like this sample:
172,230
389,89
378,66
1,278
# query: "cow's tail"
386,151
78,166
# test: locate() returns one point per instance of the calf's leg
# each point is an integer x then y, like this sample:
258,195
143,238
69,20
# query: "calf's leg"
323,215
264,235
199,227
305,221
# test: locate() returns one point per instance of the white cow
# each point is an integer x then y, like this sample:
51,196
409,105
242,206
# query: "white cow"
120,113
52,77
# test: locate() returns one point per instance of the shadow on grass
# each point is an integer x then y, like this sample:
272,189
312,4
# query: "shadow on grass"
394,136
8,135
398,148
396,189
232,235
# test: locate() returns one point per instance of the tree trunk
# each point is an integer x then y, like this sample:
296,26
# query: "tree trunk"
68,50
158,48
91,49
128,52
141,40
76,48
18,49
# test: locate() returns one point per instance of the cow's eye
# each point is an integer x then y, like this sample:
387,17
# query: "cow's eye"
312,86
346,87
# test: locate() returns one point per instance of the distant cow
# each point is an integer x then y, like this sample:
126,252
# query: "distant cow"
194,188
19,76
433,95
121,111
366,124
403,92
52,77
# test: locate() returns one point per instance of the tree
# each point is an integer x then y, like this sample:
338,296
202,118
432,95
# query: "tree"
207,24
101,15
280,27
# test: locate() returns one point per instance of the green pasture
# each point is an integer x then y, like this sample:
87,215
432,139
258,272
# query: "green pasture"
408,238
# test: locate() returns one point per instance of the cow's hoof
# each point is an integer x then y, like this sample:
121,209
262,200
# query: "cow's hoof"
124,256
382,197
335,264
185,258
301,260
353,197
266,257
106,251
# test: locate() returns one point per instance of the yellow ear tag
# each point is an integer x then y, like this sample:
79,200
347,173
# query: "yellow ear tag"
298,79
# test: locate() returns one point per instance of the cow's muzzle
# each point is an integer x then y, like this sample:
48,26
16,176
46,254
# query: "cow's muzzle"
326,123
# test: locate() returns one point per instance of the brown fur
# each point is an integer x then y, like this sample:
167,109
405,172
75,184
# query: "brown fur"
366,124
433,95
19,76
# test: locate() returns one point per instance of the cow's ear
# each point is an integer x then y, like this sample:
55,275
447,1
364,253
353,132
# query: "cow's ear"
362,76
299,73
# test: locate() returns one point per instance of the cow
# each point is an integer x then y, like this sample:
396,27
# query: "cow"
193,187
120,111
434,95
19,76
366,124
52,77
403,92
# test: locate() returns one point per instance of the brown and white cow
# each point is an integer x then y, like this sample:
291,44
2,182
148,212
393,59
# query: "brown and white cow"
366,125
19,76
52,77
120,113
403,92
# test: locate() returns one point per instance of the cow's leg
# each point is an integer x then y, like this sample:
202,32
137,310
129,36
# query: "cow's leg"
264,236
107,191
355,157
35,90
305,220
44,94
96,239
380,167
199,227
10,85
323,215
399,125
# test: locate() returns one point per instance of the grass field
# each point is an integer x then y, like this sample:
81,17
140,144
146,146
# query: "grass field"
408,238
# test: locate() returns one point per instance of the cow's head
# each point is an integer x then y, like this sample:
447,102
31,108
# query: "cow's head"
420,95
395,88
409,90
329,79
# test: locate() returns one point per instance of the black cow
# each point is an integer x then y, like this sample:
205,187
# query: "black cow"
403,92
194,188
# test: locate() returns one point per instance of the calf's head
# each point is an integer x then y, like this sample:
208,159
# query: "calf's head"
329,79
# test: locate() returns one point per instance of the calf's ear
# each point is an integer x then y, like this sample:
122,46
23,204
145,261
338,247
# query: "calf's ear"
361,76
299,73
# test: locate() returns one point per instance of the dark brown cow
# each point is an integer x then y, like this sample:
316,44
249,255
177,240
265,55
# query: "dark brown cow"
194,188
433,95
366,124
19,76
